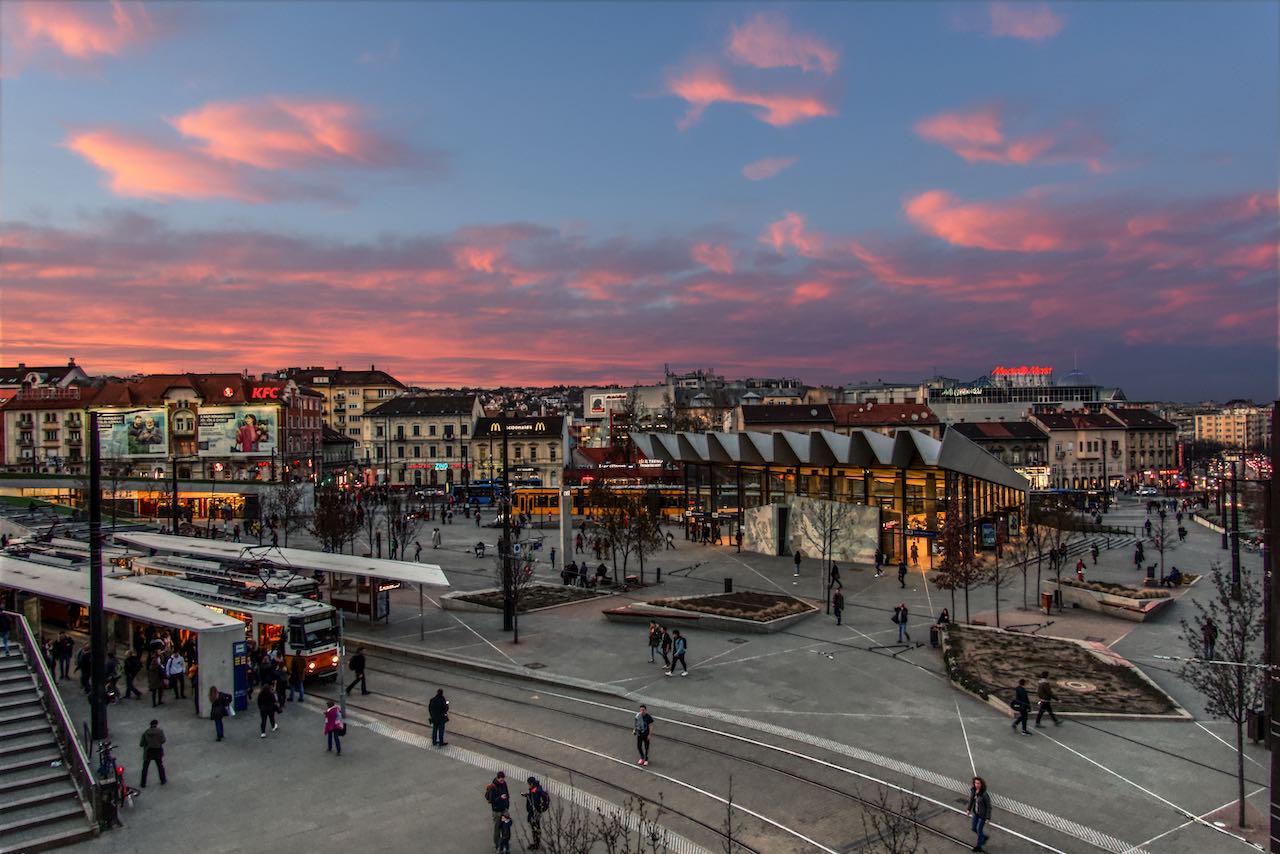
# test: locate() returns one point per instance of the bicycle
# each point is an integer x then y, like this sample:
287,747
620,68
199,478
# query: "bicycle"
113,791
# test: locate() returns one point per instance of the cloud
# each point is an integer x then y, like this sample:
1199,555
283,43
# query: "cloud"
791,232
705,86
1033,22
283,133
713,256
767,167
977,135
766,41
384,56
80,31
1009,227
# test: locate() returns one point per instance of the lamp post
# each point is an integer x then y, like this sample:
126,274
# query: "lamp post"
1235,535
508,589
97,619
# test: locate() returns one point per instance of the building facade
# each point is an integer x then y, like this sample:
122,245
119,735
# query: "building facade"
420,440
885,418
346,396
1020,445
1116,447
535,448
1238,425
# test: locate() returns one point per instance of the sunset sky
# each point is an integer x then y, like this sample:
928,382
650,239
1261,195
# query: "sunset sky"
490,193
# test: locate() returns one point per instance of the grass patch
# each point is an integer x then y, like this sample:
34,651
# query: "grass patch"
760,607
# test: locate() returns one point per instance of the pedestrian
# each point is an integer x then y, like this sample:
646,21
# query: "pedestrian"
1093,553
671,541
152,744
1021,705
435,538
357,667
176,669
537,801
1209,634
900,617
503,829
499,801
879,562
738,539
655,640
1044,693
837,606
796,558
979,810
902,574
679,646
417,551
267,708
219,707
132,667
334,728
643,728
915,555
833,580
438,715
112,673
665,647
1080,571
552,557
155,682
83,665
66,648
577,543
5,626
297,675
236,531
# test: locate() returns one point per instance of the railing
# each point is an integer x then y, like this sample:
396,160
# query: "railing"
72,750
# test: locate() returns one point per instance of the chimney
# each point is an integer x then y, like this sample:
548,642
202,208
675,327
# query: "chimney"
71,363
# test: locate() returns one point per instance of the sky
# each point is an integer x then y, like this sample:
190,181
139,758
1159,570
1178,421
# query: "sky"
534,193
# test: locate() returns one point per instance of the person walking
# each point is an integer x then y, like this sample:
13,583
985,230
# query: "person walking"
1093,553
218,705
915,555
577,543
65,647
417,551
499,802
1209,634
357,667
132,667
902,574
643,729
879,562
436,539
797,562
655,640
1044,693
155,682
979,811
267,708
665,647
551,556
1021,705
297,675
333,727
152,744
837,606
536,802
112,674
6,625
438,715
176,669
900,615
679,646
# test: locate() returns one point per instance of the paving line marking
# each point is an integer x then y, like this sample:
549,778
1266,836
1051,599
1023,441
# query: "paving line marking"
1202,815
757,572
1148,792
1229,745
965,732
768,654
924,579
474,632
706,661
818,714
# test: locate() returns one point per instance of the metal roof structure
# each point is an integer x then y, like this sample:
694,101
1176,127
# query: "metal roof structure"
124,598
298,560
826,448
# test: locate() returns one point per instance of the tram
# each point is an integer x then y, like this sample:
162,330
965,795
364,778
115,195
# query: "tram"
263,577
536,501
308,629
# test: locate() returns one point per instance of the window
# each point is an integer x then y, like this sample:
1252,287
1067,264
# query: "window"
463,449
400,451
551,452
51,435
448,431
354,431
518,452
431,429
533,453
377,431
465,429
417,430
378,452
448,451
431,451
417,451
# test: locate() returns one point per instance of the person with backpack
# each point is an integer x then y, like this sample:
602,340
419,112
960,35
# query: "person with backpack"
900,618
655,640
1044,692
679,646
1021,705
643,728
334,727
499,802
979,810
438,715
132,667
536,802
796,559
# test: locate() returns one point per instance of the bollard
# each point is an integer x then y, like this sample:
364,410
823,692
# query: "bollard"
659,575
728,585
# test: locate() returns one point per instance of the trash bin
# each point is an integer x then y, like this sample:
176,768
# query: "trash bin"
1046,601
935,636
1256,725
728,585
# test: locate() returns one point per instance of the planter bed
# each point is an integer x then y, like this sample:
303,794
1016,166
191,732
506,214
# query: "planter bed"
539,597
737,612
1136,608
1088,679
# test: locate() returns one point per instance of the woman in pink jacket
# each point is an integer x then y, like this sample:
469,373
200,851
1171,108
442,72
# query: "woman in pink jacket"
333,727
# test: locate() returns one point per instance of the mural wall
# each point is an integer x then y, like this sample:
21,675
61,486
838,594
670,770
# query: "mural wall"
760,529
854,528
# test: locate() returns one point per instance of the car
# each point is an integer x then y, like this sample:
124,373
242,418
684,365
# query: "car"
1148,490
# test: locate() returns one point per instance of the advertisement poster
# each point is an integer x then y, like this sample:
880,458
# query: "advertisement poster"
138,433
229,431
600,404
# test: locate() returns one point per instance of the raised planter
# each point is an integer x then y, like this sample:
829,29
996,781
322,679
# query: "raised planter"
460,600
671,610
1133,608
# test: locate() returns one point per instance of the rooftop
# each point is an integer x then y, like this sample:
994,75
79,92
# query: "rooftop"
877,414
425,405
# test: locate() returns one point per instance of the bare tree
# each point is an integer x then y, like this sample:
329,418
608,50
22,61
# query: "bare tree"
731,829
1228,673
1057,525
402,524
1025,549
566,828
892,824
1163,538
632,829
523,581
959,570
644,529
285,503
333,523
370,515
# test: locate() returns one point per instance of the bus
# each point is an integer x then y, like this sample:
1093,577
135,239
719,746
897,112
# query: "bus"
308,629
488,492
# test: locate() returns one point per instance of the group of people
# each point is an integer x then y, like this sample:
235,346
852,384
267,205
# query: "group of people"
672,646
1021,703
537,802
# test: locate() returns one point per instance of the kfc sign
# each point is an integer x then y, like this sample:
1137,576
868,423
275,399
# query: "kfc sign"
265,393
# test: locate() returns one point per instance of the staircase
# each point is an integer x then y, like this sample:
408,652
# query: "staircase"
41,806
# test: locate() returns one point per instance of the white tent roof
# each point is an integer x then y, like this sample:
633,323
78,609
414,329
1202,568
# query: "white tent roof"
301,560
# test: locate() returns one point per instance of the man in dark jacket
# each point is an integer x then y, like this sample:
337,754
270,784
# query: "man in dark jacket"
536,802
1021,706
267,708
499,801
438,715
357,667
152,744
1044,693
132,667
837,606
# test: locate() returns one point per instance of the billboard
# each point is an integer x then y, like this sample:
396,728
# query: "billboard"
600,403
238,431
136,433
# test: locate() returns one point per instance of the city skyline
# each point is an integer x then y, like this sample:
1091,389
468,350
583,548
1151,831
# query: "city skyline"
505,194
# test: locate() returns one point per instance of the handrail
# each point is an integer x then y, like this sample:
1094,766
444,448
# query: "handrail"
72,750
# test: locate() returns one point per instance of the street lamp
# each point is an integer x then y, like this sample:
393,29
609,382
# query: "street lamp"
508,587
97,621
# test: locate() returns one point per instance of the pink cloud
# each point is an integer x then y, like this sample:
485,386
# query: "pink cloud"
790,232
977,135
81,30
766,167
766,41
807,292
1033,22
714,256
139,167
1012,227
281,133
705,86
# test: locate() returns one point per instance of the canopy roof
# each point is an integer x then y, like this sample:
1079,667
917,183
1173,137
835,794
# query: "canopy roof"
301,560
825,448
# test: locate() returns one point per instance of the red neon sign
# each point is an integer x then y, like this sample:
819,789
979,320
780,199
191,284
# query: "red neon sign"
1022,371
264,392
